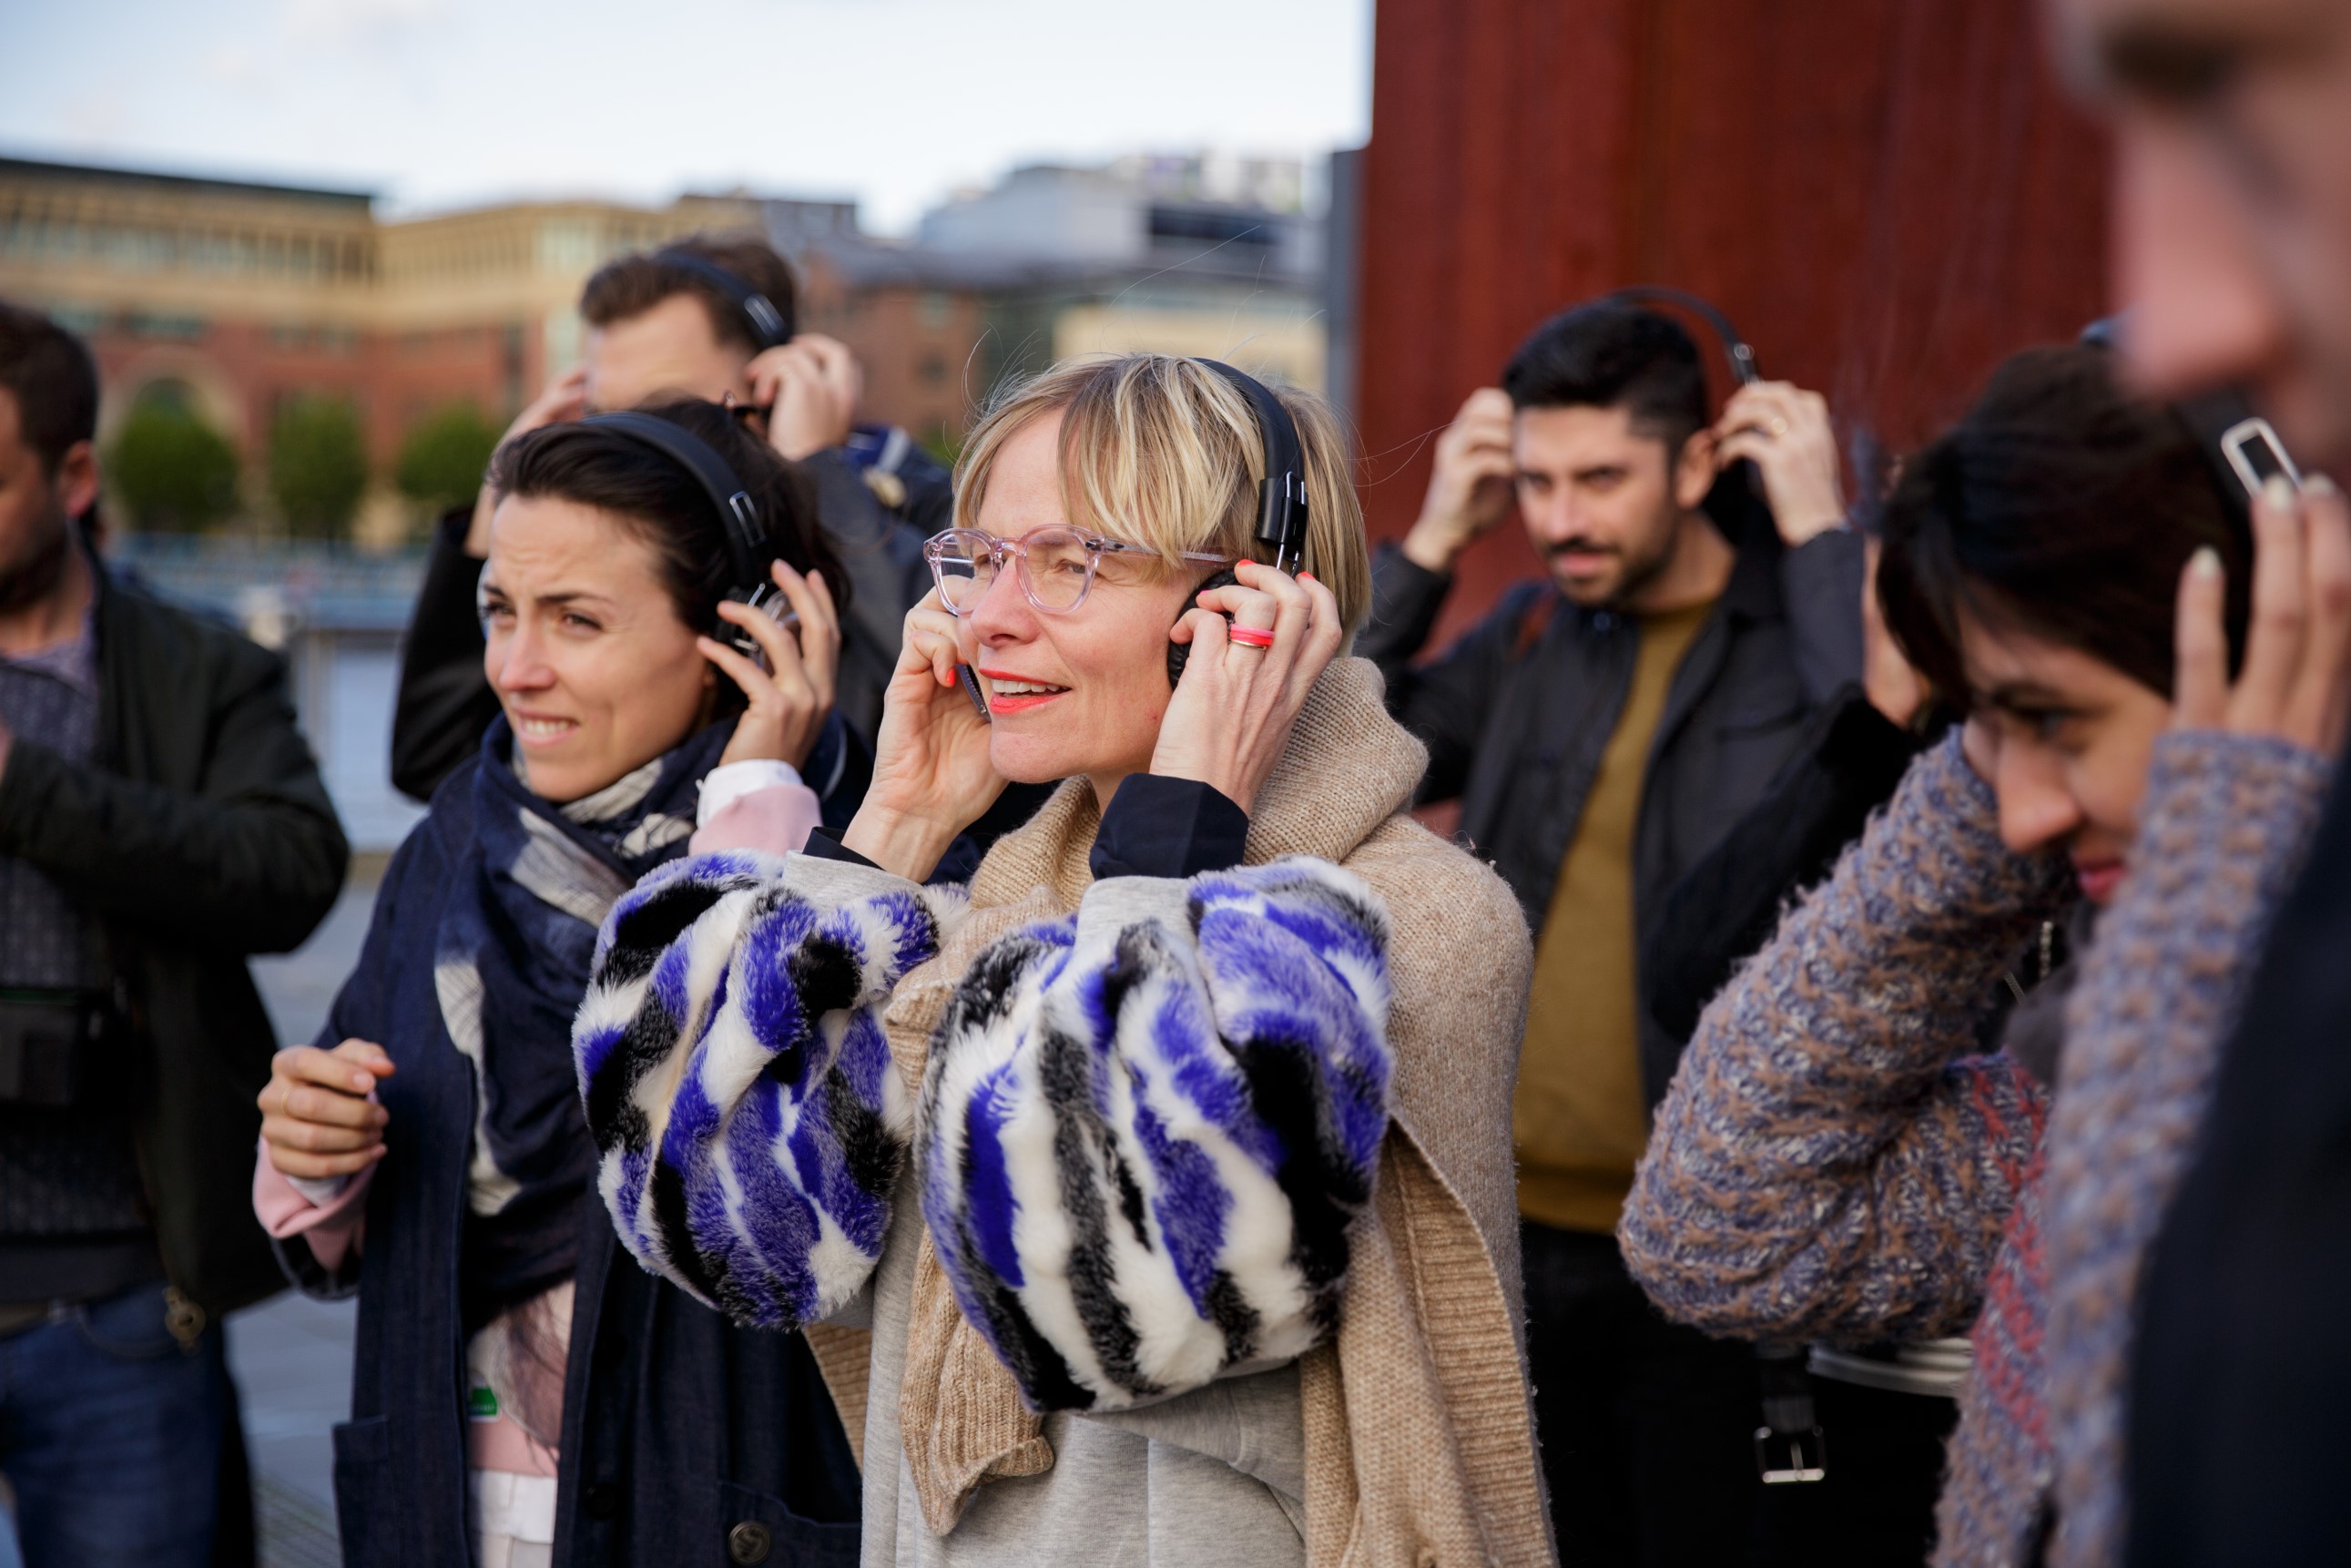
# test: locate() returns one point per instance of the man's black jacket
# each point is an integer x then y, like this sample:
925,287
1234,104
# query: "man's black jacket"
1516,714
1849,763
200,834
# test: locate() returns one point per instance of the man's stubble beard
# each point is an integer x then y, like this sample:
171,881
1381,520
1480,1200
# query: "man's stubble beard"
1638,573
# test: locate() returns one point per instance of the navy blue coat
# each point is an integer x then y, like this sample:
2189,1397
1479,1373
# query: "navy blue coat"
678,1427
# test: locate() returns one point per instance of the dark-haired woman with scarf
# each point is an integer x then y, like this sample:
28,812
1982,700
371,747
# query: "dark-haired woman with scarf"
430,1152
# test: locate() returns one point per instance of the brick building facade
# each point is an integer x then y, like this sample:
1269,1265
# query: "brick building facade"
235,298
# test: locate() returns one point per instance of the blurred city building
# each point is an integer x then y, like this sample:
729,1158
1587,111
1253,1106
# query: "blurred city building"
232,298
1206,254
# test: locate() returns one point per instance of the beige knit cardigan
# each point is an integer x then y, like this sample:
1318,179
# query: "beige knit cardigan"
1419,1439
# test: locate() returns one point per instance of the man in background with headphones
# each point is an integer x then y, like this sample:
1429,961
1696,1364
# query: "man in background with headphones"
707,317
1602,729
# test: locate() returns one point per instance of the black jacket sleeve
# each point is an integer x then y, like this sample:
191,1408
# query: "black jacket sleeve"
1727,906
445,703
1820,580
1168,827
1154,827
1443,702
883,561
1405,599
249,860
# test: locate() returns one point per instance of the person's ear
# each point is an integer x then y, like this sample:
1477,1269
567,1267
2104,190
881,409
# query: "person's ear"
1694,470
77,480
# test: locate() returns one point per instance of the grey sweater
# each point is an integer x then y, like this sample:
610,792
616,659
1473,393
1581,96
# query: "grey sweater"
1213,1477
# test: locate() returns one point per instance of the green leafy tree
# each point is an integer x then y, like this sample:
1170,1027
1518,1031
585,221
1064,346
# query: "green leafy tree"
943,444
170,470
440,462
317,465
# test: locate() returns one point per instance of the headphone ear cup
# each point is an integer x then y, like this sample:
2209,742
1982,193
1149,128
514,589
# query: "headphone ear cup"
1178,654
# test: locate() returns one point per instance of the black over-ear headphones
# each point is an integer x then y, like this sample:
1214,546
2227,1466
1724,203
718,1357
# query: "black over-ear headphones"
769,327
1736,503
1742,357
1281,494
746,532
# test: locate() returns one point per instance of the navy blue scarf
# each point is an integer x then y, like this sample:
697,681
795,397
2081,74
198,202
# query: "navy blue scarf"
510,962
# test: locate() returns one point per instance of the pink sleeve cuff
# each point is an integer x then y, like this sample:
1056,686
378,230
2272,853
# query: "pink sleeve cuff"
334,1231
776,819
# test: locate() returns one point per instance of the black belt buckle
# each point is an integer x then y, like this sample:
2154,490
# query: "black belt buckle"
1789,1447
1787,1458
46,1038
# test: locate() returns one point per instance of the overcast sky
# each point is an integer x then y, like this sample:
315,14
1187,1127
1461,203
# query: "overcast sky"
442,103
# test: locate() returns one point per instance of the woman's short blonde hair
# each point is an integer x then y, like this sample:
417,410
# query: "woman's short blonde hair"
1162,451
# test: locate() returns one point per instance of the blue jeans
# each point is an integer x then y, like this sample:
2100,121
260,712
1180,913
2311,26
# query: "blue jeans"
111,1435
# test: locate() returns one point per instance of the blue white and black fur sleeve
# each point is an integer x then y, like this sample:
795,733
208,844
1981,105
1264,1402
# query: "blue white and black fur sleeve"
1144,1129
749,1124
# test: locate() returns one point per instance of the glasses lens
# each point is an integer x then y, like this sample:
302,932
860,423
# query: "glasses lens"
961,563
1056,560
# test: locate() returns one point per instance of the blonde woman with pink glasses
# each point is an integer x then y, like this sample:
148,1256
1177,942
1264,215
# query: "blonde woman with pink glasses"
1166,1167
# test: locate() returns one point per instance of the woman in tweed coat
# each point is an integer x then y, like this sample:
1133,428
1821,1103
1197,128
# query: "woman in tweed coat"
1836,1159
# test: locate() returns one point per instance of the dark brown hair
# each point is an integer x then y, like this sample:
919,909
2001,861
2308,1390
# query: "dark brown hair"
630,286
1611,354
2063,507
653,497
49,373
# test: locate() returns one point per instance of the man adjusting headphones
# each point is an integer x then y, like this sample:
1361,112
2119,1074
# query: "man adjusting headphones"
1602,728
711,318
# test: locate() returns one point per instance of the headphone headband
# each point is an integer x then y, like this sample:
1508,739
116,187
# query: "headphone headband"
769,327
738,514
1281,494
1742,358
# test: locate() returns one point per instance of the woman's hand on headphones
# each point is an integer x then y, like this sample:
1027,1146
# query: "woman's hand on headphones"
1785,430
932,776
1229,722
2292,682
788,701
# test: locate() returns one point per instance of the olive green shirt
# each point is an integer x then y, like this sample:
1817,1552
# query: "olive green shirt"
1579,1118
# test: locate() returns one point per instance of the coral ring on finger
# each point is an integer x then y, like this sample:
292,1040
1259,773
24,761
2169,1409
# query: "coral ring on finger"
1250,636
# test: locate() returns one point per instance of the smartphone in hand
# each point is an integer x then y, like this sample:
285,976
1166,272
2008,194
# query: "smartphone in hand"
970,682
2255,453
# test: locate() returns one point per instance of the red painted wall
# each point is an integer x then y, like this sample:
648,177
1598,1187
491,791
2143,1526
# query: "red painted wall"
1886,196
